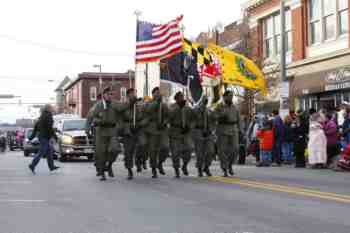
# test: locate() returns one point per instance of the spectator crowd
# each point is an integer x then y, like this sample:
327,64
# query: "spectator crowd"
317,140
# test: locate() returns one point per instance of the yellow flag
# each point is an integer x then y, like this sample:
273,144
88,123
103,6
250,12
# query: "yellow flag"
238,70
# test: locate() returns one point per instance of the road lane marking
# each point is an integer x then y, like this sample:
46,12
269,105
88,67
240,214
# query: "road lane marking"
285,189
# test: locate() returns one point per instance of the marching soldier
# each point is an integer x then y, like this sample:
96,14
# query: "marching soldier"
203,137
142,154
158,141
181,124
227,132
104,115
134,136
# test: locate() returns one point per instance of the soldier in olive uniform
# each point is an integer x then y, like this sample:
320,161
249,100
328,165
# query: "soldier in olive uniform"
104,115
134,135
181,124
157,132
203,136
227,132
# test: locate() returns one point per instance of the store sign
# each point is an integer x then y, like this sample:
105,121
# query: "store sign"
338,76
339,79
337,86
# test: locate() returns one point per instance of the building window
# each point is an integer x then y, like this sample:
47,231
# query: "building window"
272,34
343,16
123,93
328,19
93,93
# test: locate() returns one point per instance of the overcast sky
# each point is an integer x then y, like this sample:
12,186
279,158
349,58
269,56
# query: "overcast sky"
43,40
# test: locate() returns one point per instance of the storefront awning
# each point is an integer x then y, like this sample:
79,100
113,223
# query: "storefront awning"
323,81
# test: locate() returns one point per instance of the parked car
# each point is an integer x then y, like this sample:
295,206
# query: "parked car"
13,141
30,147
2,142
72,139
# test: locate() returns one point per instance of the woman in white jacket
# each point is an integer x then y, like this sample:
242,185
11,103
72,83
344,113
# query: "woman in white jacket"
317,146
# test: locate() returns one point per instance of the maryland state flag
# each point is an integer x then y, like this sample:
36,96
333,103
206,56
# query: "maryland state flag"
206,64
238,70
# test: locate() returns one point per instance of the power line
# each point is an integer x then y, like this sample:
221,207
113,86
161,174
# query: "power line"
27,103
31,79
62,49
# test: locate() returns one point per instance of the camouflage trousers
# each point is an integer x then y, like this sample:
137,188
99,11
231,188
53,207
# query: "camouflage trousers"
227,150
181,148
103,155
158,149
204,150
133,144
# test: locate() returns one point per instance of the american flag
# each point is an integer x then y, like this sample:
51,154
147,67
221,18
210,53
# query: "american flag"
155,42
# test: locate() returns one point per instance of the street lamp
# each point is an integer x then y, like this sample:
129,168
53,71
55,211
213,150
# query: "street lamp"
99,66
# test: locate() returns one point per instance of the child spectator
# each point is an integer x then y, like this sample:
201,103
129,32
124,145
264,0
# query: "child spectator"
266,138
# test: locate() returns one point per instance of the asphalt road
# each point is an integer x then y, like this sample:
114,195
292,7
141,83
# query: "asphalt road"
256,200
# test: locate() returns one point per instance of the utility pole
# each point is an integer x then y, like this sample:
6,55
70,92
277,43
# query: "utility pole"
283,42
138,13
284,87
100,75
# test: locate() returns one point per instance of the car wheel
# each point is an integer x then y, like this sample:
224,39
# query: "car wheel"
26,153
12,149
90,157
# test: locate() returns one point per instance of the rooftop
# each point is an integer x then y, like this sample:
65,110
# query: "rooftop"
96,75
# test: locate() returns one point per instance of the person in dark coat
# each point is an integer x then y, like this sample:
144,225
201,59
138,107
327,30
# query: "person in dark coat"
300,139
287,145
278,129
44,129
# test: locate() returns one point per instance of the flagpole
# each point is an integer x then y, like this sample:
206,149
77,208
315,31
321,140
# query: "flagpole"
137,13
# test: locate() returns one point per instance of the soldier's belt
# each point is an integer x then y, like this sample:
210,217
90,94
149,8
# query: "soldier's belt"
106,125
228,123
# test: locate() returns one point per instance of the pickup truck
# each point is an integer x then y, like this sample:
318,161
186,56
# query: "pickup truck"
72,140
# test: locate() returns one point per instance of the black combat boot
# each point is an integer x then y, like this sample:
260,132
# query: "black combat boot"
144,165
184,170
225,172
177,173
200,172
154,172
230,171
130,174
102,175
207,171
110,170
139,169
161,169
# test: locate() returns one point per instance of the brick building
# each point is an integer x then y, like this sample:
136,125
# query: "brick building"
318,45
83,92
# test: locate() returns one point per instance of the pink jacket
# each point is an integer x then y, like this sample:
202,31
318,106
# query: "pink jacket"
330,129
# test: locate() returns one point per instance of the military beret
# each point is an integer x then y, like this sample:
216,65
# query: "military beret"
228,92
130,90
155,89
107,89
178,94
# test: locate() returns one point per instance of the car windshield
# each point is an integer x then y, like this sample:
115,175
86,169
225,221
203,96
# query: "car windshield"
74,125
29,132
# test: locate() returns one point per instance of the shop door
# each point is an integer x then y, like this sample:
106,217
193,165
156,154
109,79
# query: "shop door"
328,104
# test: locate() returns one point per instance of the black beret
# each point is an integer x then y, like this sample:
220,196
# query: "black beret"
107,89
155,89
178,94
228,92
130,90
